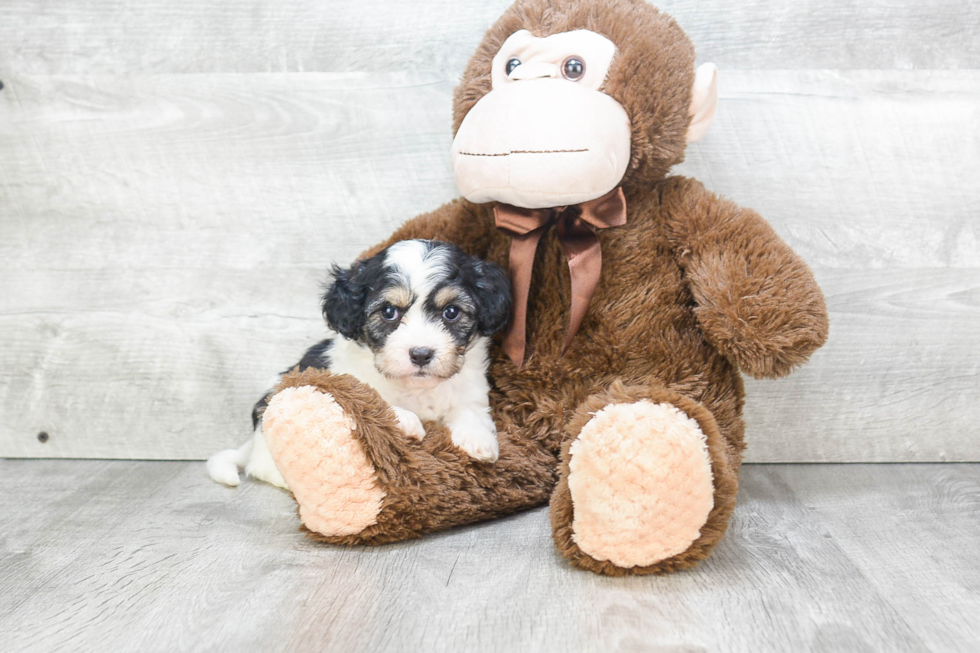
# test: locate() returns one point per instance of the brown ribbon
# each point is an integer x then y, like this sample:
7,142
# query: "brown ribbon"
575,226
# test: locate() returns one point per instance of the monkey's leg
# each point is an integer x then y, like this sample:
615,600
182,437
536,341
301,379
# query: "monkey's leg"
645,483
359,480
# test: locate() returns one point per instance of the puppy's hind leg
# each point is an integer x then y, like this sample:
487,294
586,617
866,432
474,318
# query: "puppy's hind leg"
223,467
254,456
261,465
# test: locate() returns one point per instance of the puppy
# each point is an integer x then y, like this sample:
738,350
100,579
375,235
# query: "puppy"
414,323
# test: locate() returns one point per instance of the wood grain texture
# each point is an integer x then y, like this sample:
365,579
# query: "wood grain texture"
896,544
165,237
859,169
180,36
99,555
898,379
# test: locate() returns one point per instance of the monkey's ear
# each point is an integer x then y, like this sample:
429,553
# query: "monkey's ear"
704,101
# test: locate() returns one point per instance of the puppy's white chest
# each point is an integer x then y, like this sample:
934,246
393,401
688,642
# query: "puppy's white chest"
429,404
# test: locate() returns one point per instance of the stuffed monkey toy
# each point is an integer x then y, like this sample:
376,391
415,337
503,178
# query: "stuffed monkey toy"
639,298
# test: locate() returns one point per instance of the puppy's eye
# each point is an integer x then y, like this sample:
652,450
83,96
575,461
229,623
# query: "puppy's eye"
451,313
389,313
512,64
573,69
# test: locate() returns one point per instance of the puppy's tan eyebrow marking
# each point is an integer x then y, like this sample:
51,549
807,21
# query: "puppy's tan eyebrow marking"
399,296
445,295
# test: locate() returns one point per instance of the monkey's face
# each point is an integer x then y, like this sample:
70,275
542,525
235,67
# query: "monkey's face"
545,135
567,99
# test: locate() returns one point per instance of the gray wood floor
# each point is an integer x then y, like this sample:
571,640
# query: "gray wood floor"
111,555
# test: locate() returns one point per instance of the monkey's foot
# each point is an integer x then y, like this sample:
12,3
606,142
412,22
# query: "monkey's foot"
641,484
312,441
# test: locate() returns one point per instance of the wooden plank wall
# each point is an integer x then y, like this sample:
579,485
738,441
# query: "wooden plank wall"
175,177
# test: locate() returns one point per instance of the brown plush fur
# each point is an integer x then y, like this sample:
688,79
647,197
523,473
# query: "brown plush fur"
693,289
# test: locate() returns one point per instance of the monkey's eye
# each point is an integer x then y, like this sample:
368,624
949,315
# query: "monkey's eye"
451,313
573,69
512,64
389,313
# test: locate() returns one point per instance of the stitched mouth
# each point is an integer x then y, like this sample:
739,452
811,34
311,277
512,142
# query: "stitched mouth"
523,152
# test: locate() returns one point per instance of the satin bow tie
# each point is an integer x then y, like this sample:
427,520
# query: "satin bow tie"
575,226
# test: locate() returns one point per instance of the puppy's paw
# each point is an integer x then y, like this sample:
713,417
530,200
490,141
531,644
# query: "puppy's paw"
480,444
409,423
223,468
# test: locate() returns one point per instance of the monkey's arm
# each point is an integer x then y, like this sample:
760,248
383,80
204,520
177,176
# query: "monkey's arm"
458,222
757,301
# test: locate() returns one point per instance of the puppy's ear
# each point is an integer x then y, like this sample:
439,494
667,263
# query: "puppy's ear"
343,303
493,297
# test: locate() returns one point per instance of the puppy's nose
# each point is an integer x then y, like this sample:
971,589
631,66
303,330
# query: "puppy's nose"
421,356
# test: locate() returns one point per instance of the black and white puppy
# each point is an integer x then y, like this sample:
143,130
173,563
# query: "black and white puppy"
414,323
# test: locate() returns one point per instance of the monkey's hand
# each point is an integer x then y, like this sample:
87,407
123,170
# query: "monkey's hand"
757,301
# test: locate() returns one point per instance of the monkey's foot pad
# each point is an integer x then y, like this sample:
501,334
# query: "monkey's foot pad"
312,441
641,483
